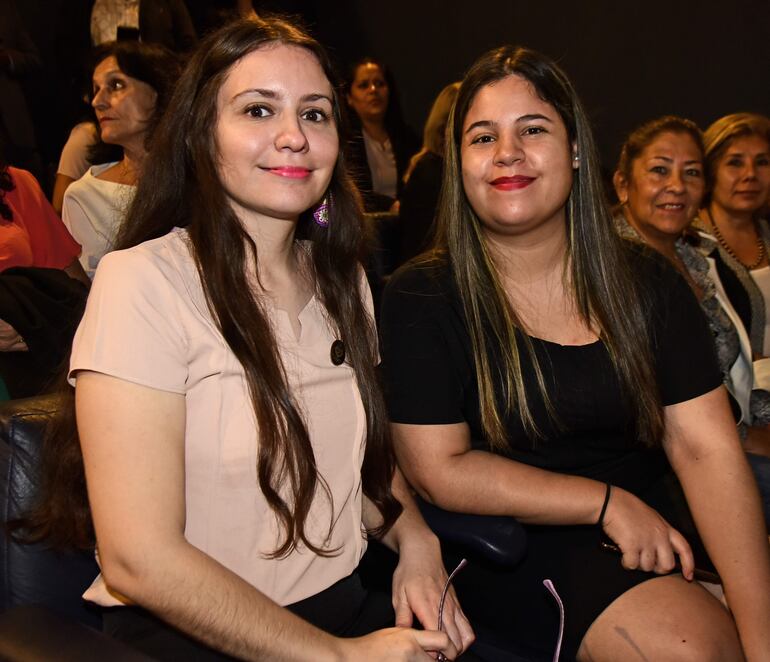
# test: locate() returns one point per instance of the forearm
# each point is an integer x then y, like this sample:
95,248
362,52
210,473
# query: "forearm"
191,591
726,508
440,465
410,525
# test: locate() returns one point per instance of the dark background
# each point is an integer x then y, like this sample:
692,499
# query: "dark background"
630,61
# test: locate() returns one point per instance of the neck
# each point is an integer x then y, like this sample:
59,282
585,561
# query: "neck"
665,244
531,256
131,164
728,219
274,239
375,129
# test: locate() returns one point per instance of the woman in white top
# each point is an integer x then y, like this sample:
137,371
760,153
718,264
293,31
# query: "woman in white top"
233,433
380,149
738,178
131,84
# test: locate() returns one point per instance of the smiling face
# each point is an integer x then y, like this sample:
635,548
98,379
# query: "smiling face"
742,176
517,164
369,92
276,135
665,186
123,105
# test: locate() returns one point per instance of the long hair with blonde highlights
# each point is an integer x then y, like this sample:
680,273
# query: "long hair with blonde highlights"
606,293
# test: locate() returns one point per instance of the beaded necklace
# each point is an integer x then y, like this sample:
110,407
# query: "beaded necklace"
731,252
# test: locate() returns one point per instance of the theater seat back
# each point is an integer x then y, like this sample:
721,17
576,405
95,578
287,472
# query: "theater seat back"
34,574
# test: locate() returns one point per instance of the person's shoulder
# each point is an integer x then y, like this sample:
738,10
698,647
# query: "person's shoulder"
425,275
168,256
648,264
88,182
24,180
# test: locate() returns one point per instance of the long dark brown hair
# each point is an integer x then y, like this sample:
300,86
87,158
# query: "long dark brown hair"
180,186
606,292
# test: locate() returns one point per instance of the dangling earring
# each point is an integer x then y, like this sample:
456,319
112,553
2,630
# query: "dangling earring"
321,212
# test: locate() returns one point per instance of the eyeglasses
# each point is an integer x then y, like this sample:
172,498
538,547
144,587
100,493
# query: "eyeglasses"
441,657
546,582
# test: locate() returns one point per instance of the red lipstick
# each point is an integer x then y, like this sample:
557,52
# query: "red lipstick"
512,183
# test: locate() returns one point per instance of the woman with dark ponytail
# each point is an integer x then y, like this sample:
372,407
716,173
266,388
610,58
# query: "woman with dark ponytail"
234,438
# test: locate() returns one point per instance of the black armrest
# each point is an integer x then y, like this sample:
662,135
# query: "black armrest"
37,634
498,539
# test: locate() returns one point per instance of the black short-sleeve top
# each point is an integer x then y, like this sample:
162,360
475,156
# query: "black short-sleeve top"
429,374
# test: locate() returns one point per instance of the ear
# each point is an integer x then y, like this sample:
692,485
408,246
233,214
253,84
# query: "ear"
575,157
621,186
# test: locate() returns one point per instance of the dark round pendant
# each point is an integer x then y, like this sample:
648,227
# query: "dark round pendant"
338,352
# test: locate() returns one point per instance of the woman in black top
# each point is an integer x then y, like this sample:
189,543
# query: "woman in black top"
535,368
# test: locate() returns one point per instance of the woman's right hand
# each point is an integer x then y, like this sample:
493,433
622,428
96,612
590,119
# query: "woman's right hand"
647,541
398,645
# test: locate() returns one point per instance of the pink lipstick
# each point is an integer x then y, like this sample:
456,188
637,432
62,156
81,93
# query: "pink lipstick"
512,183
292,172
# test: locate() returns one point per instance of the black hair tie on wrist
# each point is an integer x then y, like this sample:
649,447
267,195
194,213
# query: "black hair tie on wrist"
607,494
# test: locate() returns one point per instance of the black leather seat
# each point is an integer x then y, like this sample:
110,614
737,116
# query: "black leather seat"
43,616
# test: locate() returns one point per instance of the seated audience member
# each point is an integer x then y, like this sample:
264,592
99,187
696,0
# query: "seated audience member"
382,143
39,307
422,180
538,366
74,161
234,439
131,85
660,184
738,185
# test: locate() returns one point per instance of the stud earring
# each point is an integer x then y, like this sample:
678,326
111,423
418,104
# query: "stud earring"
321,212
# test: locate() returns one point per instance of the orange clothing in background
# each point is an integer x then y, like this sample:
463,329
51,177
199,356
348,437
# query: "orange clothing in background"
36,237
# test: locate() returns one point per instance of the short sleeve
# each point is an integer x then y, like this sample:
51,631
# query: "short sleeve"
686,359
422,350
73,161
131,328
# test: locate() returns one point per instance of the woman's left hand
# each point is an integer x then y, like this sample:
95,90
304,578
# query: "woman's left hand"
418,583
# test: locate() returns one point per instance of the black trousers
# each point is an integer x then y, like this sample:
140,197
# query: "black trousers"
345,609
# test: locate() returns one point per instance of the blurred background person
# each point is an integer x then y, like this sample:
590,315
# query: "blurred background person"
41,286
738,181
131,84
381,143
422,180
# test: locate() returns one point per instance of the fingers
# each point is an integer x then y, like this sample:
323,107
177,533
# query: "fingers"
467,635
684,551
449,620
431,640
403,612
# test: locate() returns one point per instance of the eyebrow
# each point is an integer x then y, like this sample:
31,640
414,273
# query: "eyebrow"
670,160
744,154
524,118
272,94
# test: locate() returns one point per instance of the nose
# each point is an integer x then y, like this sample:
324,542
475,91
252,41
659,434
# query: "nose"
675,182
750,171
100,100
509,150
290,135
